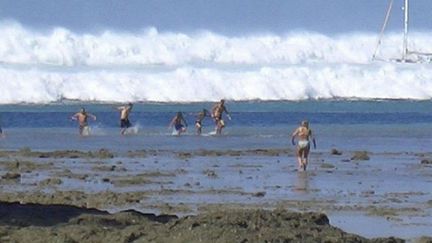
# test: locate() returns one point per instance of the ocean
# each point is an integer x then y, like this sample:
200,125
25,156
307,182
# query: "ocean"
271,81
276,63
379,125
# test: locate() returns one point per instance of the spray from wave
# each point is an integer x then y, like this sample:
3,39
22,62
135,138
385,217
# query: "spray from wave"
43,67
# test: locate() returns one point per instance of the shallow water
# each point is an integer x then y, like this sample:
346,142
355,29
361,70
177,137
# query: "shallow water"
356,125
396,135
351,192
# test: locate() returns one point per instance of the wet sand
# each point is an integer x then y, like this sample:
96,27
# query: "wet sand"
216,193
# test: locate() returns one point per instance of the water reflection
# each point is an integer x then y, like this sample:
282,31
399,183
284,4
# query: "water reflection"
301,184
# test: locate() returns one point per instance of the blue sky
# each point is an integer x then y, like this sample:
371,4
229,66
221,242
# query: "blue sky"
221,16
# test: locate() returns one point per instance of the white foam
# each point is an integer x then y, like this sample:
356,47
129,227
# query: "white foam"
42,67
97,130
86,131
133,130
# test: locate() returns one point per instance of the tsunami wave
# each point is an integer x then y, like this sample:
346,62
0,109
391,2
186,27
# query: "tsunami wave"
50,66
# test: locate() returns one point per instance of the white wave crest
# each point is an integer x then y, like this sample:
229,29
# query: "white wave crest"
42,67
62,47
191,84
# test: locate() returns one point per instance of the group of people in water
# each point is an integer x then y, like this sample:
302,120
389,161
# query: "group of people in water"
82,117
178,122
303,133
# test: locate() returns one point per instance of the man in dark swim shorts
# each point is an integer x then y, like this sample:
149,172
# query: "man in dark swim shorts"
124,117
125,123
199,119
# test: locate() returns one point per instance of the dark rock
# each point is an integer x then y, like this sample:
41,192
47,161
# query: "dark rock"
259,194
335,152
11,176
426,161
73,224
424,239
51,182
360,155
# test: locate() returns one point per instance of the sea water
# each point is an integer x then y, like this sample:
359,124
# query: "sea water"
376,126
271,81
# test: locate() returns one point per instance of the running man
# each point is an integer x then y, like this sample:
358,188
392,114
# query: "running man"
82,117
179,123
124,117
200,117
217,111
304,134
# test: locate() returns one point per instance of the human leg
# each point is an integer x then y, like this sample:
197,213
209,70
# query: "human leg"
306,157
198,128
299,159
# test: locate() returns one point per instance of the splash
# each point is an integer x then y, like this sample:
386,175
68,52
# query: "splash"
97,130
133,130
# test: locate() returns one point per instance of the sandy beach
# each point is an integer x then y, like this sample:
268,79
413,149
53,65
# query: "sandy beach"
215,195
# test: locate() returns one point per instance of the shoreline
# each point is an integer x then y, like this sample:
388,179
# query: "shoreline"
184,183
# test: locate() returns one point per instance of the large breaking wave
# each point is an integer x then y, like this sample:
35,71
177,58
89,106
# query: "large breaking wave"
48,66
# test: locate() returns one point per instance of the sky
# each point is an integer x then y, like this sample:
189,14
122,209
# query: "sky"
220,16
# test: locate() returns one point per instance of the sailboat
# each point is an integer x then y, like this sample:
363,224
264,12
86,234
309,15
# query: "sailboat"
407,56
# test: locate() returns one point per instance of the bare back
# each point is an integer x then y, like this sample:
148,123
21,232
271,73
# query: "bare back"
177,120
218,110
303,133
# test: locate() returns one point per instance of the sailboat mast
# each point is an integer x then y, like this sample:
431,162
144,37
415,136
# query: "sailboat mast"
405,41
